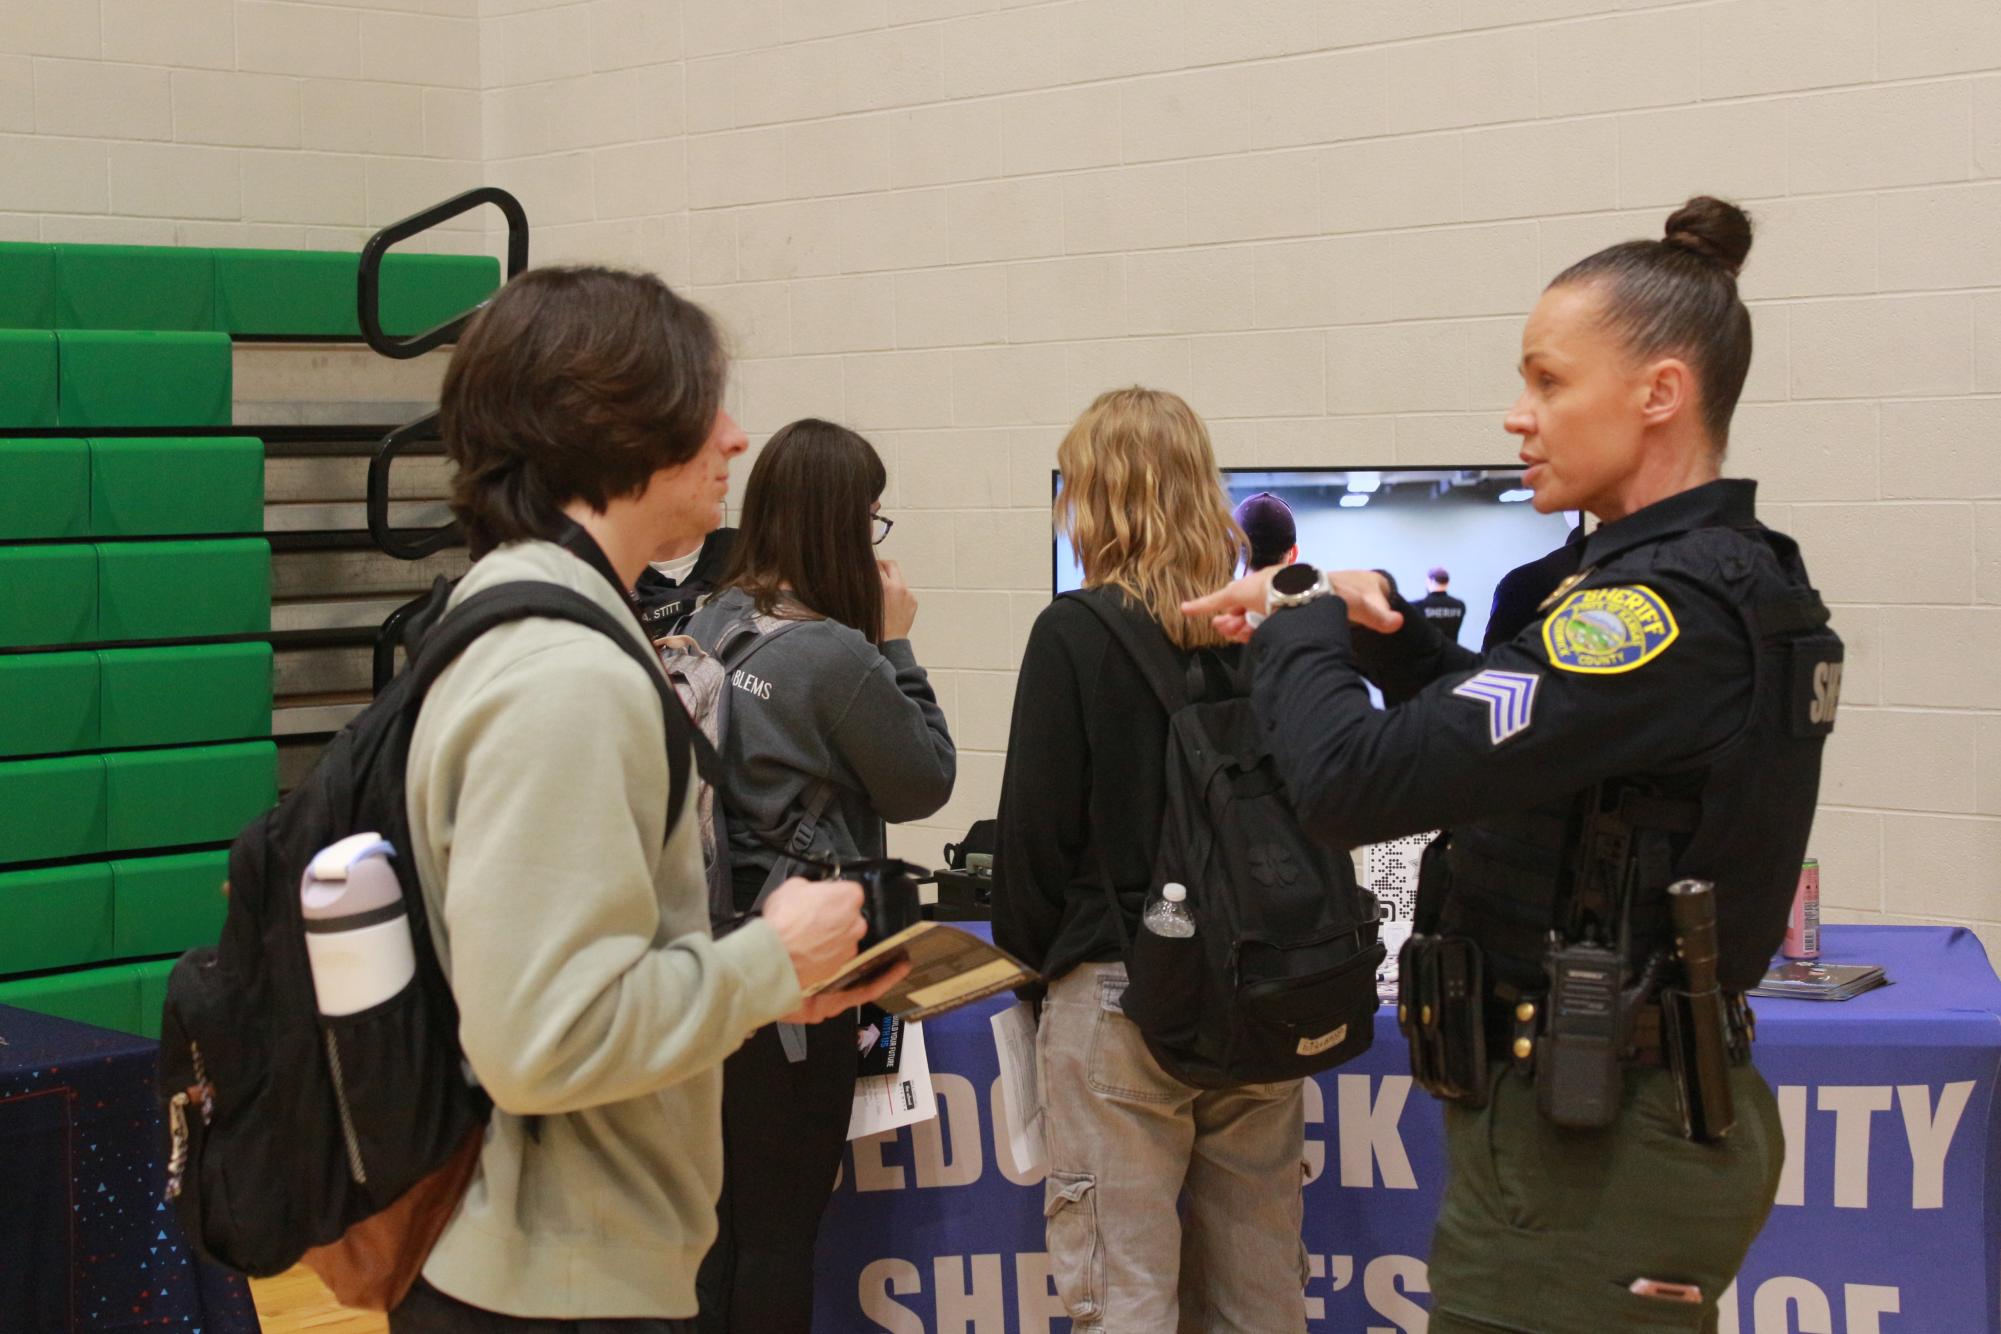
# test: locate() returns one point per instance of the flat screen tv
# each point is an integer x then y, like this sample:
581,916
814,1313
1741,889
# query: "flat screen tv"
1475,523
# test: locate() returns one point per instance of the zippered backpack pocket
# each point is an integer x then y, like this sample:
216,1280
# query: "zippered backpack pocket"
1304,1009
400,1095
205,1048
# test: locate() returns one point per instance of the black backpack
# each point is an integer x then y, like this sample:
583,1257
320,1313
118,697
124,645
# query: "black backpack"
286,1128
1279,979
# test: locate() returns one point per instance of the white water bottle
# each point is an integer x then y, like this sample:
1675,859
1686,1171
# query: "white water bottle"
357,928
1167,913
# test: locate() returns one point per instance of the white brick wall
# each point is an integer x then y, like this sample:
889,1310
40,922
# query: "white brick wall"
236,122
951,222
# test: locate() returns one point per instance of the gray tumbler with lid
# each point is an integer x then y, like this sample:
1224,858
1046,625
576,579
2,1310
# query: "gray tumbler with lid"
357,928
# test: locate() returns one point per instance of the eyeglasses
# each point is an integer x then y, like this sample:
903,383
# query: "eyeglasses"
881,526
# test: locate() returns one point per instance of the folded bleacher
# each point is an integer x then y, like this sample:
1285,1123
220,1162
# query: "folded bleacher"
136,663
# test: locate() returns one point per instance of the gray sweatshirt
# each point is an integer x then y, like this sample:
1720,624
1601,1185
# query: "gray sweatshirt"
821,703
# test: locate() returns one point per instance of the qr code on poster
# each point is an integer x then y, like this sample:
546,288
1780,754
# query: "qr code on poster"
1389,871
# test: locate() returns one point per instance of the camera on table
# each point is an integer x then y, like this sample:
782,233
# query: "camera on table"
966,882
889,894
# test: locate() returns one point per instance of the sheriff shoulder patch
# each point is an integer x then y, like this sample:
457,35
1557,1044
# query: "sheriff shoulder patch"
1605,631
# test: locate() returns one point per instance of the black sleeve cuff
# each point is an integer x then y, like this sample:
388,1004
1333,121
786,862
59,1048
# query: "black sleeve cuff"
1323,621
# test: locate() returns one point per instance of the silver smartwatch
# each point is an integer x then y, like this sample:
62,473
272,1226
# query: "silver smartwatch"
1295,586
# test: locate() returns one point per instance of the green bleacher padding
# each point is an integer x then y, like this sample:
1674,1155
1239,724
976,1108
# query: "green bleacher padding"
57,917
107,997
167,904
285,292
49,704
134,287
44,489
313,292
150,996
183,696
143,379
183,590
196,794
28,379
48,595
52,808
161,487
419,291
27,285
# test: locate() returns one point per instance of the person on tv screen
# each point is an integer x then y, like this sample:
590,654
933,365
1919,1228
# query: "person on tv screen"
1269,528
1438,605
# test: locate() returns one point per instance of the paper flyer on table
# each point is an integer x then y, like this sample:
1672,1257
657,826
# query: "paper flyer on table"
1021,1093
885,1102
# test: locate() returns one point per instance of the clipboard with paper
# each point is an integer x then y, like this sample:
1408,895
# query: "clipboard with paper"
949,967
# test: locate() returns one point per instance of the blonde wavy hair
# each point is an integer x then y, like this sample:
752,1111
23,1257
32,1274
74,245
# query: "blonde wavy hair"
1144,508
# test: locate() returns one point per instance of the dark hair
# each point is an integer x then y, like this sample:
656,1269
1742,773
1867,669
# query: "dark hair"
573,384
1439,575
805,526
1268,523
1679,295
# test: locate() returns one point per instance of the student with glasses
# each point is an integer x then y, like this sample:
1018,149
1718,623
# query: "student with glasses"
833,728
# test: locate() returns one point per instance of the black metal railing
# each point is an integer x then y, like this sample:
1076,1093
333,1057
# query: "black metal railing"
400,543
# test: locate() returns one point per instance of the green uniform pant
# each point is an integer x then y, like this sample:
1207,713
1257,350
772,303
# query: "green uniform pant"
1542,1229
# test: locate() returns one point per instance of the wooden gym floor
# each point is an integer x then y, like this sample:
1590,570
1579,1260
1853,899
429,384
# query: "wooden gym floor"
297,1303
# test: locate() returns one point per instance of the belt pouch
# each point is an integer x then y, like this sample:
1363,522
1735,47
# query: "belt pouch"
1696,1044
1462,1027
1414,960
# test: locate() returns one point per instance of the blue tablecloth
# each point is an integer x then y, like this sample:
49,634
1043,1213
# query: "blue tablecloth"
86,1244
1888,1219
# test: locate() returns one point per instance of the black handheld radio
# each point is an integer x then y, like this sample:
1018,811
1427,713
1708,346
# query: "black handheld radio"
1584,1028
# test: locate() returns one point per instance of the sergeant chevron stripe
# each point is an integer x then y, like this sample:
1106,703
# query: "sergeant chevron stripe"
1509,697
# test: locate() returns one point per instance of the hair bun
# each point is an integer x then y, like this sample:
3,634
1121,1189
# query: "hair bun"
1713,228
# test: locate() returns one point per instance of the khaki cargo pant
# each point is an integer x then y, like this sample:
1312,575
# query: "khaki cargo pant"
1542,1229
1126,1140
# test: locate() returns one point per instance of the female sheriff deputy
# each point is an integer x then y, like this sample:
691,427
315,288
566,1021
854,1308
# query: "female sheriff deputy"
1658,719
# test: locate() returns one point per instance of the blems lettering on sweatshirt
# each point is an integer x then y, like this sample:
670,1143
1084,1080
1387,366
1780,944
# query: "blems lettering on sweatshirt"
750,683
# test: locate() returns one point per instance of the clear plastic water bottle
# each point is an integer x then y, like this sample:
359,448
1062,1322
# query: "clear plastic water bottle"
1167,912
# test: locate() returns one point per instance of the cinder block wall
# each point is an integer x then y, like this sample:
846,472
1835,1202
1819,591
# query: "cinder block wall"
235,122
950,222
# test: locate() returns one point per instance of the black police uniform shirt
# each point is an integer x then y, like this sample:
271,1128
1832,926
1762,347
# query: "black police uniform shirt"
1443,610
1520,593
664,604
1688,657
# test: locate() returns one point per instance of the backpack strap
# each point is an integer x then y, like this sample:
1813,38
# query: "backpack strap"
523,599
734,646
817,798
743,638
1152,653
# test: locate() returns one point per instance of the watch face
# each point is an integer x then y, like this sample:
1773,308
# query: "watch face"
1294,579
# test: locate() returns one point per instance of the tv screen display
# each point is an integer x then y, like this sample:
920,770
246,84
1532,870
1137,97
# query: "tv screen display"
1474,523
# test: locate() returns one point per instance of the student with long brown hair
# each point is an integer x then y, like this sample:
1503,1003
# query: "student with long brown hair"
833,728
1080,810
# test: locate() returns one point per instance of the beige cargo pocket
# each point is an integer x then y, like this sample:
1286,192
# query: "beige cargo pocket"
1305,1256
1118,1064
1076,1252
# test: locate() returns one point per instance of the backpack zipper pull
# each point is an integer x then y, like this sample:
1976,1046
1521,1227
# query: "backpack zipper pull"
177,1157
202,1086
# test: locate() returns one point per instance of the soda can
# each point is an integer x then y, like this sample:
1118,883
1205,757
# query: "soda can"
1803,927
